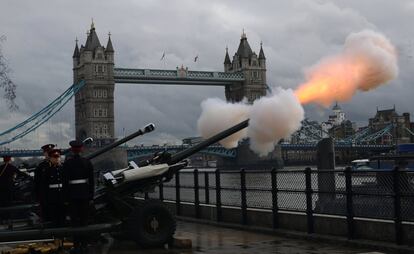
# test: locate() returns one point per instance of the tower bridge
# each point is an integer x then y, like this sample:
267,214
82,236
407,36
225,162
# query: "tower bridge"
95,76
243,77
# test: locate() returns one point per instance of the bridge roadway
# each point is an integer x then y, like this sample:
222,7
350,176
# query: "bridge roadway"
180,76
143,151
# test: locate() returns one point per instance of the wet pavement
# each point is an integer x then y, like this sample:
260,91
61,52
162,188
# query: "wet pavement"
210,239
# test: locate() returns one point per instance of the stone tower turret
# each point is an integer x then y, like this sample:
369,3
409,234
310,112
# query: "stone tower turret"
262,64
94,104
254,71
227,62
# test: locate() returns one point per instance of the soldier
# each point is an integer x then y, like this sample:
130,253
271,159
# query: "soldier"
52,189
79,187
7,176
40,169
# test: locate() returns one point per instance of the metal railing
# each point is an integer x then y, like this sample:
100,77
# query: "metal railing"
347,194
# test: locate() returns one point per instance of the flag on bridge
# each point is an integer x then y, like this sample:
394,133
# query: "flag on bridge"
196,58
163,56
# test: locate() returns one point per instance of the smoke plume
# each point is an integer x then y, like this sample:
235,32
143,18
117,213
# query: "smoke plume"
367,61
273,118
218,115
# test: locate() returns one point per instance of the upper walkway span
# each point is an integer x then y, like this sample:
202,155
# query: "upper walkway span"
142,151
180,76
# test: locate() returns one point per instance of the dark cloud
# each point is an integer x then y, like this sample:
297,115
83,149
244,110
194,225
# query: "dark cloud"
296,34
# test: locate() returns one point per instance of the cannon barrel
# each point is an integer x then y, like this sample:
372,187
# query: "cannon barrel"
149,173
204,144
148,128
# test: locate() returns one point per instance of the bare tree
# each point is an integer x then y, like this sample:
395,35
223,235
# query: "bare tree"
6,83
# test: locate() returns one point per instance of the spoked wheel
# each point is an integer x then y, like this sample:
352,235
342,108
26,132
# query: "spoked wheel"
151,224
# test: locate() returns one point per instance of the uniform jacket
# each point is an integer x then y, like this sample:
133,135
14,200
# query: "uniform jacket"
7,174
40,169
78,169
51,184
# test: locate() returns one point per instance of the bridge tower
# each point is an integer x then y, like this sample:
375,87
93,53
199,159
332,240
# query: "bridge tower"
254,70
94,104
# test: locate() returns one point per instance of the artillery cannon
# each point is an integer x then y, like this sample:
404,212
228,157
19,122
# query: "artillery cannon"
148,222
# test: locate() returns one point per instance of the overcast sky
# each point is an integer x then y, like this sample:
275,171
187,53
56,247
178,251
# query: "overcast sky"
295,34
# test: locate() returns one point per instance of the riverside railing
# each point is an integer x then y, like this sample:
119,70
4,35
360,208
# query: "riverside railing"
377,195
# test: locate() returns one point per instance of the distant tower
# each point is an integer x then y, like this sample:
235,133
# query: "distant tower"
254,71
94,104
339,115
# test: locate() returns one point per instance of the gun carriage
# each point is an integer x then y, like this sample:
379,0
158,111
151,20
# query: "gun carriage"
116,209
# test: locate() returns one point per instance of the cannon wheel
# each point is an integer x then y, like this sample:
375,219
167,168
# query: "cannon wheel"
151,224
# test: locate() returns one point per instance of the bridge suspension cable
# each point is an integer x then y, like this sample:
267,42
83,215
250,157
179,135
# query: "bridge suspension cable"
36,120
311,133
374,136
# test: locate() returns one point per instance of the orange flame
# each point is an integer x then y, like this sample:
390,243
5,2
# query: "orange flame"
335,79
368,60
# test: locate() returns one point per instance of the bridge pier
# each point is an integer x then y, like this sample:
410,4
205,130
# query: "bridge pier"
298,157
246,158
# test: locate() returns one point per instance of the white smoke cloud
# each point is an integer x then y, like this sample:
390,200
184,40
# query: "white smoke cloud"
367,61
273,118
218,115
379,55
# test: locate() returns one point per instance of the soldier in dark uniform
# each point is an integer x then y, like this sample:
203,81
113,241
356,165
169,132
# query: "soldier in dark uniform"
79,187
40,169
52,189
8,173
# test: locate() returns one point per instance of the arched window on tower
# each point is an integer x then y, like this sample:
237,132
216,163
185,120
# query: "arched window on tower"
255,75
96,130
99,69
105,130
